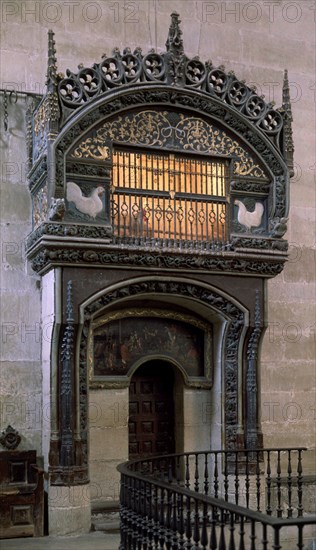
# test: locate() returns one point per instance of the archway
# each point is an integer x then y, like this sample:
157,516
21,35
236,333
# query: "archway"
152,412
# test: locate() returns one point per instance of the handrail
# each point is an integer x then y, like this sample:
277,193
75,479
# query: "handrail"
171,509
217,502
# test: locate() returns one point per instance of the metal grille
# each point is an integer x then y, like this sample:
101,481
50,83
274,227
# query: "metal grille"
169,199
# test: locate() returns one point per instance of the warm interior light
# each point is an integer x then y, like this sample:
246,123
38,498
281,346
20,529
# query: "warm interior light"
169,196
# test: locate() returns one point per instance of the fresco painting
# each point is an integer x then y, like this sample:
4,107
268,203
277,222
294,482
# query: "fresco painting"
120,343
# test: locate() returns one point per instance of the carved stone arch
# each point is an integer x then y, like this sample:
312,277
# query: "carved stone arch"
222,304
160,356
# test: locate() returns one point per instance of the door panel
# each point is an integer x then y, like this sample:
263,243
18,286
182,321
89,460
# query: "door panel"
151,411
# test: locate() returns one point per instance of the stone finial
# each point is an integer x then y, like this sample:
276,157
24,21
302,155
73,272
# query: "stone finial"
51,78
174,42
288,146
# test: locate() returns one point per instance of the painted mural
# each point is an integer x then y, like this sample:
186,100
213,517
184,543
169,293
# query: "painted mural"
120,343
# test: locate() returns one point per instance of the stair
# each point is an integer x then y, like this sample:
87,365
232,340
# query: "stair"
105,519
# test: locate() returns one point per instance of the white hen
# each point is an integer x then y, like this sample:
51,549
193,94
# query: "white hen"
91,205
249,219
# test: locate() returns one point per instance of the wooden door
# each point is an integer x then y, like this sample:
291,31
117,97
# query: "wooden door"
151,411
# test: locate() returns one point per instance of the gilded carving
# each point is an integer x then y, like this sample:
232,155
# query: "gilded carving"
40,206
91,148
165,129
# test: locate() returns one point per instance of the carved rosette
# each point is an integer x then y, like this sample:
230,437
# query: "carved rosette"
10,438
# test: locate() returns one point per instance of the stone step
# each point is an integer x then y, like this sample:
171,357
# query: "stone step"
107,521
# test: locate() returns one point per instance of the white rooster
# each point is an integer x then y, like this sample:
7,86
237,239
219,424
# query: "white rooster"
91,205
249,219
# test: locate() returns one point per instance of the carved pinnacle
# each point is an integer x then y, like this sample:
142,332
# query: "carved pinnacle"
51,80
174,42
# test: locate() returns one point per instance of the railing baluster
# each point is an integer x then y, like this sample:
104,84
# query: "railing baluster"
278,482
187,472
300,543
188,527
222,543
213,537
299,484
226,482
216,482
174,522
156,518
162,519
178,470
236,478
276,539
289,485
247,480
196,473
206,475
196,531
241,533
181,522
204,537
258,483
253,535
149,504
264,537
232,530
268,483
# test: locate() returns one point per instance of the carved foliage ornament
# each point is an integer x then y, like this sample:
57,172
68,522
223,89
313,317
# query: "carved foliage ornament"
172,67
167,129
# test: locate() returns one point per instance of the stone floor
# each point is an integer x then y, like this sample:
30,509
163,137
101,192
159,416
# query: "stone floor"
92,541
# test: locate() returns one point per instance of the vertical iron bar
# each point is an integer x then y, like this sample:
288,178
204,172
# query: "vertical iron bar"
196,473
247,480
187,472
241,533
289,485
196,533
216,482
299,484
232,529
206,475
253,535
268,480
276,539
226,482
222,543
278,482
236,478
188,529
264,537
213,537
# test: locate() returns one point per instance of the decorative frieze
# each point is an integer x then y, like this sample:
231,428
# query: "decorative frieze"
75,255
169,130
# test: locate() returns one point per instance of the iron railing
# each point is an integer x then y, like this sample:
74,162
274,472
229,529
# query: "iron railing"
217,500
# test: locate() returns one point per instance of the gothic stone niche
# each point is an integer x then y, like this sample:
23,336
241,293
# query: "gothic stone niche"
231,345
116,348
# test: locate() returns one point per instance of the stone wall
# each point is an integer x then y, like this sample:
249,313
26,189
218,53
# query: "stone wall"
257,40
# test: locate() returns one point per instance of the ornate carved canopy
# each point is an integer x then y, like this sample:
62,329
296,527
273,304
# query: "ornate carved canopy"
157,102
